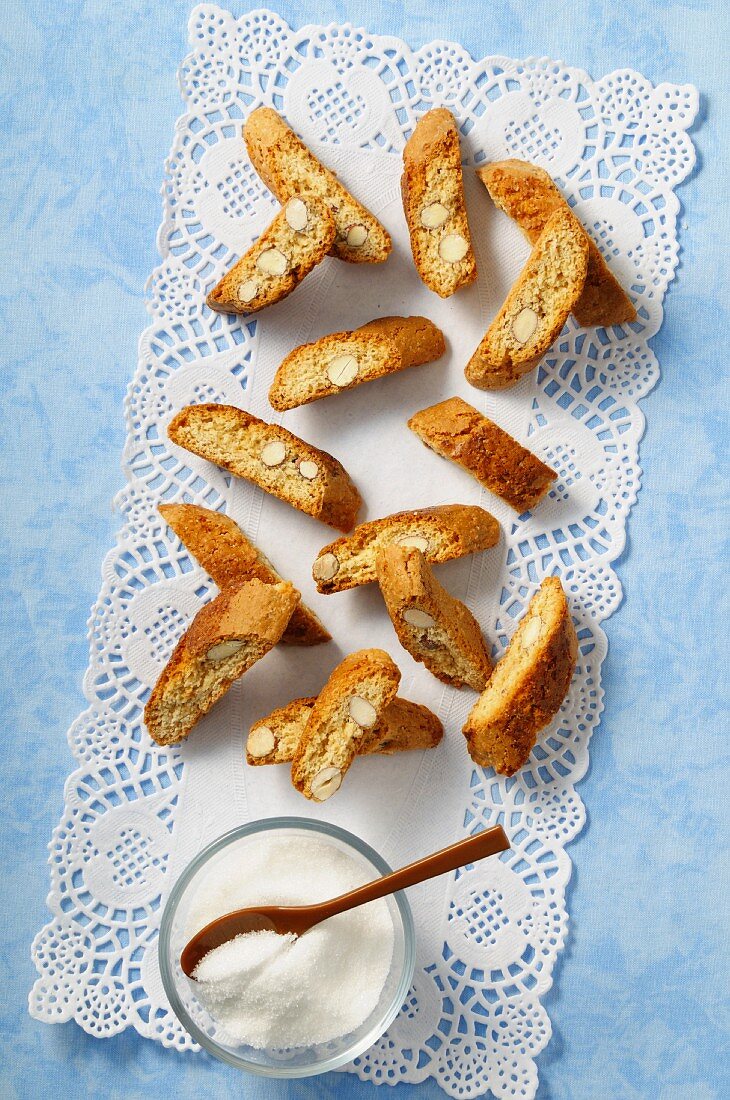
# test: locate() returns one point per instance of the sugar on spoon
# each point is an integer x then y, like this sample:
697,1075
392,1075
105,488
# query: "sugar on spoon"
300,918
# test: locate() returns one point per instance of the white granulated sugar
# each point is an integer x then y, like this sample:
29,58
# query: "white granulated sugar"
271,991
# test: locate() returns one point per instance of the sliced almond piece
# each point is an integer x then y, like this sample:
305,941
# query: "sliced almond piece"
356,236
362,712
325,783
418,541
531,633
453,247
325,568
296,215
248,290
221,650
260,742
274,453
273,262
342,370
308,470
416,617
434,215
524,325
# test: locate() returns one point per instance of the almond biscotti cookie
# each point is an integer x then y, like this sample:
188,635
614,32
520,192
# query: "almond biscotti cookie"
404,726
527,686
350,705
441,533
528,195
536,307
436,629
221,547
456,430
346,359
272,458
299,238
288,167
433,201
225,638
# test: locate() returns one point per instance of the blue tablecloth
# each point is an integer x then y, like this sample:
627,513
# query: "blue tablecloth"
89,103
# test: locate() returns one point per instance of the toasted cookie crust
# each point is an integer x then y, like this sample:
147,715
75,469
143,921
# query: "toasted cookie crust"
432,188
437,629
225,638
536,307
272,458
343,360
528,195
288,167
444,532
456,430
221,547
527,686
279,260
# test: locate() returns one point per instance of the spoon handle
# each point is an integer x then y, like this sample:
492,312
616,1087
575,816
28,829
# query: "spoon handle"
479,846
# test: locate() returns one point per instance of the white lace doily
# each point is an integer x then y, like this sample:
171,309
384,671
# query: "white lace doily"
135,814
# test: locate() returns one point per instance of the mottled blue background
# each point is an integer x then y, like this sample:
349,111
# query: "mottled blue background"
89,101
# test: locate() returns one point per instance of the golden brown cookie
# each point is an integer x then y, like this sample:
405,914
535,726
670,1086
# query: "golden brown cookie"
433,201
287,167
436,629
272,458
404,726
444,532
528,195
221,547
299,238
457,431
344,360
225,638
350,705
527,685
536,307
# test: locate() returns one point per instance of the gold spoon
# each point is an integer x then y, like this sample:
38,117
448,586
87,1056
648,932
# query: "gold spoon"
300,918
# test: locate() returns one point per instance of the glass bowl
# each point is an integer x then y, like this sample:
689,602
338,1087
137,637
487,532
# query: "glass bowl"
300,1061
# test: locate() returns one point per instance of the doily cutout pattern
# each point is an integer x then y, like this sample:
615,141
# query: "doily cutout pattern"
618,147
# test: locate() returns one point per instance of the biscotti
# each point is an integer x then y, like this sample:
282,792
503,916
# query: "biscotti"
436,629
433,201
456,430
350,704
299,238
405,726
221,547
272,458
346,359
527,686
224,640
536,307
441,533
528,195
288,167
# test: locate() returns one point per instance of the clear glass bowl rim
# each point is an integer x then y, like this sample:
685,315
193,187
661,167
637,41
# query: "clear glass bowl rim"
322,828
